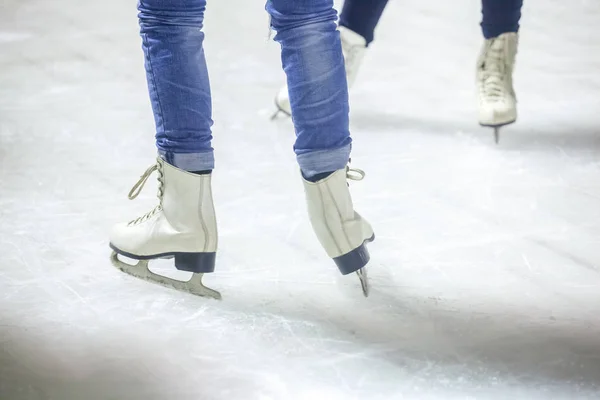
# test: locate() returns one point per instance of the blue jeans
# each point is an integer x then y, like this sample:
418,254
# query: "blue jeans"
499,16
172,40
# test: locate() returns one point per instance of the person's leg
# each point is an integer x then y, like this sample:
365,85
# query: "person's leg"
356,25
362,16
172,40
312,59
183,225
500,16
497,99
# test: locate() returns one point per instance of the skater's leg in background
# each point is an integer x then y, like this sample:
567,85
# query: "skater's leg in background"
313,62
500,16
357,24
495,64
172,40
362,16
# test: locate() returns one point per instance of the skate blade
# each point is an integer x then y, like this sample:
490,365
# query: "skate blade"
362,273
496,128
140,270
364,281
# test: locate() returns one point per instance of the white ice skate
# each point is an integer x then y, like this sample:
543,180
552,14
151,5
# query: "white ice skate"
182,226
353,49
497,100
343,233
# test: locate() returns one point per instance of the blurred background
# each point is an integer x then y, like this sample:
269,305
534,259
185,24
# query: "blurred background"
486,268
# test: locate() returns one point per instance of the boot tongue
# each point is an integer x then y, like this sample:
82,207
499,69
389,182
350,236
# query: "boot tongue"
494,68
493,62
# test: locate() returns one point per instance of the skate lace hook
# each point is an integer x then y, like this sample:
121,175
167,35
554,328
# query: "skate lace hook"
137,188
355,174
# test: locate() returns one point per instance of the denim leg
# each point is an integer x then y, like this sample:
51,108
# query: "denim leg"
362,16
500,16
311,55
172,38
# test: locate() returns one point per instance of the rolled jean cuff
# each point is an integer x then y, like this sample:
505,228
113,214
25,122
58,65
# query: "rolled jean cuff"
190,161
320,161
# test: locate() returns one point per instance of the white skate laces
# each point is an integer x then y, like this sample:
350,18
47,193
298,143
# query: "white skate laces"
353,48
137,188
493,74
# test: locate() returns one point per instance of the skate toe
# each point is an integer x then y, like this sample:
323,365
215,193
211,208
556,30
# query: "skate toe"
497,114
123,242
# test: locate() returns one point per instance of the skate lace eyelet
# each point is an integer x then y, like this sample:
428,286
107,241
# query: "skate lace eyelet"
137,188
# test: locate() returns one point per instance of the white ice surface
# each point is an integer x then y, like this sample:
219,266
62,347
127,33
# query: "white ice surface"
486,267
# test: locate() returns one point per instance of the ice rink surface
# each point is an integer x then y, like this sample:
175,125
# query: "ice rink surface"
486,267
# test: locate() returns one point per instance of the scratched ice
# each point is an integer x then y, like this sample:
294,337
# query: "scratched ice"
485,271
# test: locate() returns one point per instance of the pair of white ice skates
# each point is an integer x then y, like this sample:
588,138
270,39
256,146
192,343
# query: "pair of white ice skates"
496,96
183,226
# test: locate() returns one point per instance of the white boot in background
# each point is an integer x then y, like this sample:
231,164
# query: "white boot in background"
353,49
182,226
343,233
497,100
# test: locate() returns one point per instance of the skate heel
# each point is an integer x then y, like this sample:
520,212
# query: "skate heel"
354,260
195,262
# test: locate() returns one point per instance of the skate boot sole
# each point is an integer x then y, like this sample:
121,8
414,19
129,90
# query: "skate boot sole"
191,262
498,125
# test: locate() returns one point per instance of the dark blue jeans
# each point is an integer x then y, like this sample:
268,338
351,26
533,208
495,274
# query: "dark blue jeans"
362,16
311,54
499,16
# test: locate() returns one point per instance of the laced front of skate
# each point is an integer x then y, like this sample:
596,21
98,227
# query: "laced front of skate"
493,72
137,188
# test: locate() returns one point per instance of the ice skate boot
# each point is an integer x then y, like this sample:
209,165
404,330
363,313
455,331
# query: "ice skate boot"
182,226
353,49
343,233
497,100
